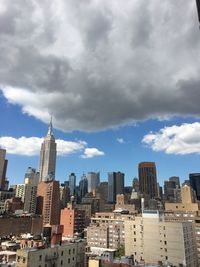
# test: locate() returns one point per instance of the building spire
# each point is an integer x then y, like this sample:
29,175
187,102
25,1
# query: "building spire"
50,130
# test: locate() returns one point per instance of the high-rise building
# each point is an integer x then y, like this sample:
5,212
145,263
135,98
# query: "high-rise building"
195,183
31,176
93,181
169,190
73,220
83,186
72,183
115,185
48,157
175,179
3,168
148,179
153,240
48,202
28,194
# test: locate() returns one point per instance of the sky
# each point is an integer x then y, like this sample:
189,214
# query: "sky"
120,80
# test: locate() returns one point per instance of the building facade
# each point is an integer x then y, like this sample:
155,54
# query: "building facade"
73,220
148,179
28,195
48,202
93,179
72,183
3,168
195,183
153,240
48,157
115,185
69,254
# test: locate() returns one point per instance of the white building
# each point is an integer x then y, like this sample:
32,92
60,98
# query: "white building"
48,157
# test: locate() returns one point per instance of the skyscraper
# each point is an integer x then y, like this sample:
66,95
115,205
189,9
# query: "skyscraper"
31,176
83,186
3,168
115,185
72,183
195,183
48,156
48,202
93,181
148,179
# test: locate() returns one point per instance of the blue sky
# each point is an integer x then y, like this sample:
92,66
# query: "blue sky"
121,82
118,156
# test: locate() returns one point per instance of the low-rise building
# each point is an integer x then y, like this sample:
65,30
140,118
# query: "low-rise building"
68,254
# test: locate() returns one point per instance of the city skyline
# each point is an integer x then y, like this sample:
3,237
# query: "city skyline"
122,86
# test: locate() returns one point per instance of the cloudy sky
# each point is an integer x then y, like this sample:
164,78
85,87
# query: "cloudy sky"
120,79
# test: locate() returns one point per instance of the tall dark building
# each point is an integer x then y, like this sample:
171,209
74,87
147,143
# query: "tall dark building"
115,185
3,168
83,186
148,179
195,183
169,190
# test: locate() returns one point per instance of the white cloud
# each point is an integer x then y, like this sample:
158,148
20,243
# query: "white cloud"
98,64
183,139
30,146
120,140
91,153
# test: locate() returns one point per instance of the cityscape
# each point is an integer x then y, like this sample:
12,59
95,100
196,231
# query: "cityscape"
100,133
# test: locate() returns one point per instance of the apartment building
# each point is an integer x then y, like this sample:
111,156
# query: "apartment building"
106,230
153,240
68,254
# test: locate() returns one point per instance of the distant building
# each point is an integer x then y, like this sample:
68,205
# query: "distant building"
148,179
83,186
175,179
48,157
48,202
64,195
169,190
28,195
135,184
93,179
3,168
72,183
195,183
115,185
31,176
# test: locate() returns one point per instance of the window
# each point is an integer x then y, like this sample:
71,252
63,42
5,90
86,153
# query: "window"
61,253
68,260
40,257
69,251
61,263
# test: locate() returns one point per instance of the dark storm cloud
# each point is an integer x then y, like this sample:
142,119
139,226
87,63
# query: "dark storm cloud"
98,64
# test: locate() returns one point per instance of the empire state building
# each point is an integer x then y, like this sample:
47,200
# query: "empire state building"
48,156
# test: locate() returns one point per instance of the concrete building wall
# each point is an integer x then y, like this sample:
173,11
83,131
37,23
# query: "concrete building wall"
181,206
70,255
20,225
155,241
